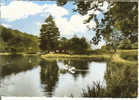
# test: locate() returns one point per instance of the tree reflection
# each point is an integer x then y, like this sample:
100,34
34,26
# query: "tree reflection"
13,64
80,65
121,79
49,75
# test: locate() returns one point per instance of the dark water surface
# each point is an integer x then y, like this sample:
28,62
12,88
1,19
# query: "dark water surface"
31,76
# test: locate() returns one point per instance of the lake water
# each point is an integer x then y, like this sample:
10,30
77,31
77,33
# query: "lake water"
31,76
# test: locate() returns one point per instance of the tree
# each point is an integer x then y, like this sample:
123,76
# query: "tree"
49,35
121,16
61,2
119,22
6,34
63,45
78,45
127,44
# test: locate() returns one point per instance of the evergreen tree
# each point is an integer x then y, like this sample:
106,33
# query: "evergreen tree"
49,35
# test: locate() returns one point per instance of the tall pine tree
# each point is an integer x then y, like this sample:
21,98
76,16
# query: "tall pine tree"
49,35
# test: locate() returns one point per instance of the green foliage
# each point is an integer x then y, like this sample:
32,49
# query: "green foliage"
131,56
120,21
78,45
49,35
16,41
6,34
74,45
96,91
127,44
135,45
121,77
125,17
121,80
61,2
17,64
63,44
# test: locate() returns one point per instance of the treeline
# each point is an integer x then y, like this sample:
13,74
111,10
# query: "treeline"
50,40
16,41
74,45
125,44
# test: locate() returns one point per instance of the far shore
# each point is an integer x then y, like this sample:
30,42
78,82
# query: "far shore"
24,54
96,57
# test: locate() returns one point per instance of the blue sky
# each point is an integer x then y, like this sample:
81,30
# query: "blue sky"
28,16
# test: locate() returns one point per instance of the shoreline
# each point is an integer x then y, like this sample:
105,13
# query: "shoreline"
67,56
24,54
96,57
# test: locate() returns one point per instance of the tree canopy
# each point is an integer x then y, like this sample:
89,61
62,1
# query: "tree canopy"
74,45
121,17
49,35
78,45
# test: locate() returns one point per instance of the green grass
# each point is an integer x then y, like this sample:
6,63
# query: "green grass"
96,91
122,56
67,56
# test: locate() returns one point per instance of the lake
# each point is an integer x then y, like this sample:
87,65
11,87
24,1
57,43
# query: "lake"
31,76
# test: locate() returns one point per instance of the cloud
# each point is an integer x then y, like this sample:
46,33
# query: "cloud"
39,24
75,25
19,9
6,25
23,9
54,10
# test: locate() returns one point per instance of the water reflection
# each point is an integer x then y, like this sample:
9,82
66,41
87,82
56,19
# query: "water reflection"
67,84
22,84
15,64
122,80
82,65
28,76
49,75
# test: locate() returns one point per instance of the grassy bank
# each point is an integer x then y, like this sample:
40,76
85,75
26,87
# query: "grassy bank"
121,56
67,56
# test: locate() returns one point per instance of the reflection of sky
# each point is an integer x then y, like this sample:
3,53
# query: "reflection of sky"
22,84
67,85
69,22
29,84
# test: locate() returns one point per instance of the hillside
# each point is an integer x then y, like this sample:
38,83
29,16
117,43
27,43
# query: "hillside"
17,41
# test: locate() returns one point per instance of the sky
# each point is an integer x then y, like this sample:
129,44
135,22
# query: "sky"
28,16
